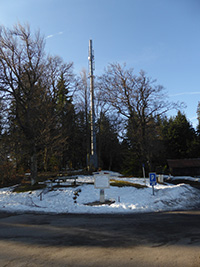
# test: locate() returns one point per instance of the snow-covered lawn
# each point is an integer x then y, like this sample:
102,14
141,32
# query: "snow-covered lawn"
126,199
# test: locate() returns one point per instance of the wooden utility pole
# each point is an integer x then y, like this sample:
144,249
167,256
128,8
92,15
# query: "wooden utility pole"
93,150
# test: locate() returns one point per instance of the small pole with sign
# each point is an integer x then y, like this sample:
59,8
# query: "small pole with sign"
152,178
102,182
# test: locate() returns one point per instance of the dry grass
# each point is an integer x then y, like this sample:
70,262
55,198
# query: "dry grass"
119,183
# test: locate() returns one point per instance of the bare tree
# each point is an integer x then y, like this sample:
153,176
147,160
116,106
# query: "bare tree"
83,94
29,79
21,67
137,99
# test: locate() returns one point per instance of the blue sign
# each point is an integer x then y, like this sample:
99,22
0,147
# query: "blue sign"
152,177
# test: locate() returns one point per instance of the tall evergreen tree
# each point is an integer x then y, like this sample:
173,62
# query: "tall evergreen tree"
198,118
179,137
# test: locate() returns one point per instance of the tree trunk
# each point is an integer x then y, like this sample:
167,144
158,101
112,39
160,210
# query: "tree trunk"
45,159
33,165
110,162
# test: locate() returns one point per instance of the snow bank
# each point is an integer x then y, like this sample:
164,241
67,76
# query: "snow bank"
127,199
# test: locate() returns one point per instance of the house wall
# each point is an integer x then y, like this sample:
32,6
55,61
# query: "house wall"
192,171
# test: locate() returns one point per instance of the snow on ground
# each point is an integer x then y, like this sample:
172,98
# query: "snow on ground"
127,199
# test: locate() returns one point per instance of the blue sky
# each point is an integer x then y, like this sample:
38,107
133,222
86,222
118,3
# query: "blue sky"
162,37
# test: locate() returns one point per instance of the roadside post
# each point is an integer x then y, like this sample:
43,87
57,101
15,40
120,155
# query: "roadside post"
160,178
152,178
102,182
143,170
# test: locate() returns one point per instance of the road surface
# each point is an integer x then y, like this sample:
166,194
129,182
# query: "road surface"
145,239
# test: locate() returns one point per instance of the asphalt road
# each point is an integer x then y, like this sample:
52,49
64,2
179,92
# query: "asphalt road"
151,239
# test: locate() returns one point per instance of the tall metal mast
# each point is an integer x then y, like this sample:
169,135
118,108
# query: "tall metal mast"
93,151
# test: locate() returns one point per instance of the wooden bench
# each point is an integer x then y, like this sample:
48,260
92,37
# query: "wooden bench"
63,179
